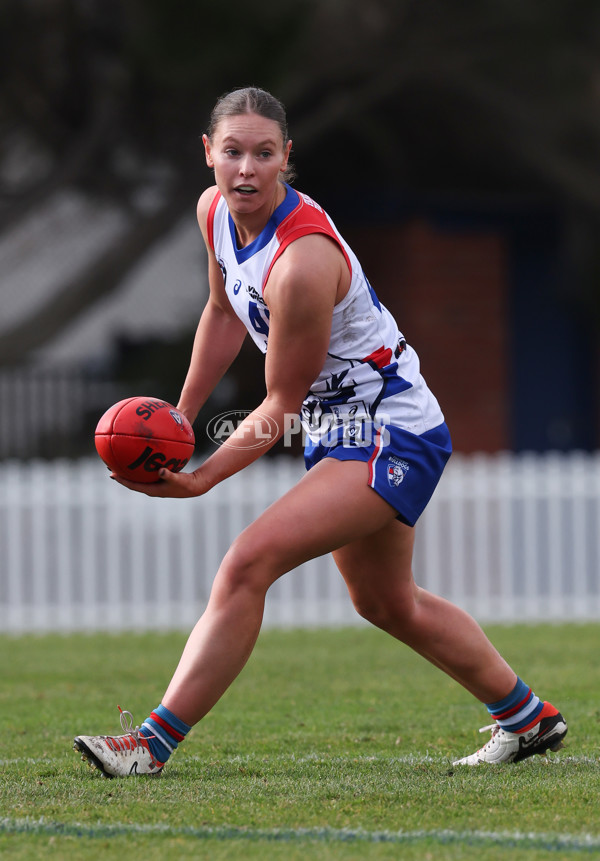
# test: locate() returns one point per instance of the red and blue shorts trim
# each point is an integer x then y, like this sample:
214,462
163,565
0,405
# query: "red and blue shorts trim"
404,468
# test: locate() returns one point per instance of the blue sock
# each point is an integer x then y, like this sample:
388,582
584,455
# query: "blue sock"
163,731
518,710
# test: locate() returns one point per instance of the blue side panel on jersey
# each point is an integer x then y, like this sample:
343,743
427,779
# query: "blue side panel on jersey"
289,203
393,383
374,298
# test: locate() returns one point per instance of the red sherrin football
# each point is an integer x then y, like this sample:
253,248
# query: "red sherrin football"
138,436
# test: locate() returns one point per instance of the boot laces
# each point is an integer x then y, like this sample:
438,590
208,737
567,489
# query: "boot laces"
495,729
127,723
131,739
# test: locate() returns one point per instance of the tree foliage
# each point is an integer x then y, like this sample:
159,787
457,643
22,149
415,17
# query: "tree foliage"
486,91
485,95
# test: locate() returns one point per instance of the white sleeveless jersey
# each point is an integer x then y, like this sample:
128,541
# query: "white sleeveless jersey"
370,373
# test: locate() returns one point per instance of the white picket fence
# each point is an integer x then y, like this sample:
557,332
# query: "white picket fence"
506,537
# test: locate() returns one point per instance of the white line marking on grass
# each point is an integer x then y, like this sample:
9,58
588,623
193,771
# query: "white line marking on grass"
407,759
321,758
505,839
249,759
588,760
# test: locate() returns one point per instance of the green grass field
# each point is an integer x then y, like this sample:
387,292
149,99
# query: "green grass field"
330,745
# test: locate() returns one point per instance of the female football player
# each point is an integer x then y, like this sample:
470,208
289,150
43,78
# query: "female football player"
376,446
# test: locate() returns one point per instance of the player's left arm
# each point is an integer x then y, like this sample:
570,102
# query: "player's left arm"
301,293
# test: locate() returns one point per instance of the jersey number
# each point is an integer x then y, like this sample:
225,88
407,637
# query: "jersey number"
258,322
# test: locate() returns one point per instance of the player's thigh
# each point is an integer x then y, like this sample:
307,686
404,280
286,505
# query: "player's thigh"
377,567
328,508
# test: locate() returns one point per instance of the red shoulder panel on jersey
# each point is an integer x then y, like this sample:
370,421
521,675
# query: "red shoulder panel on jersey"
306,218
210,221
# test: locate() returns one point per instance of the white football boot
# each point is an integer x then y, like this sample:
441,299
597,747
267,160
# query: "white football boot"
119,755
506,746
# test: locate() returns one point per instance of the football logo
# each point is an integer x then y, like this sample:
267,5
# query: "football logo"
396,471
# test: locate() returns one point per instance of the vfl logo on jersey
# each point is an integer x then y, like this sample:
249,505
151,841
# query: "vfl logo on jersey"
396,471
255,295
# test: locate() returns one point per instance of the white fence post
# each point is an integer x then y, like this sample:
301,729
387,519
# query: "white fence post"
507,537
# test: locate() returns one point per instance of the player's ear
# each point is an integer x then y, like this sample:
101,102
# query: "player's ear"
207,151
286,152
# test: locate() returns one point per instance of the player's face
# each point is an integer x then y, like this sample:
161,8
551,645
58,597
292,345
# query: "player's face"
248,155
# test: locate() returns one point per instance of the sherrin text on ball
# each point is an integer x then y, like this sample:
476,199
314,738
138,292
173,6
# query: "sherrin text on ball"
138,436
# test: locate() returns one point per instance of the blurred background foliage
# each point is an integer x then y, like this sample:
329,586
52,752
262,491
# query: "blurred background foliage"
414,96
482,94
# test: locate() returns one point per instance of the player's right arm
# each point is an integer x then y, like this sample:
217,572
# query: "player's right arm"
219,335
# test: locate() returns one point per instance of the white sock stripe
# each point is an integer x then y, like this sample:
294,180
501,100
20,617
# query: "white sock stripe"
152,728
525,712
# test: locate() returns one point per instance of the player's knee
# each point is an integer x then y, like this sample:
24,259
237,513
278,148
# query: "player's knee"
369,606
382,610
246,567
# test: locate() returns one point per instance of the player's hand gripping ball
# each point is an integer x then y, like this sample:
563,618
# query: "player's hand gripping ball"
138,436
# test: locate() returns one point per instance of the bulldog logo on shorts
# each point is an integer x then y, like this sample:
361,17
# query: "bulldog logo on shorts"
396,471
